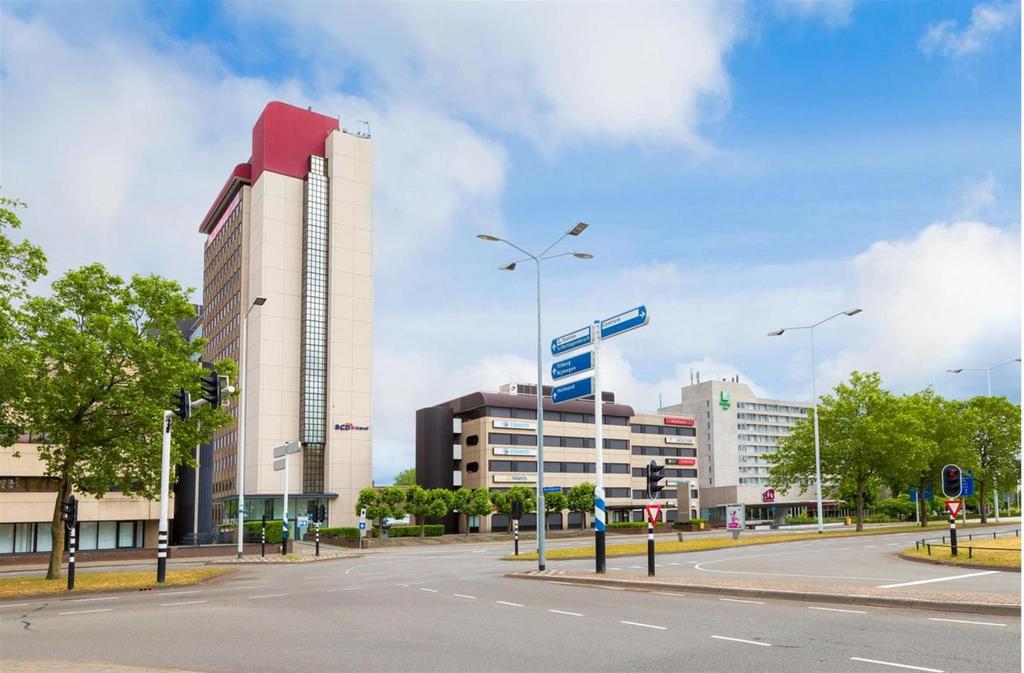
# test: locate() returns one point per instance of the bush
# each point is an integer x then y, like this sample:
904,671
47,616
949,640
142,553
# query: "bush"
430,530
253,528
632,524
347,533
879,518
895,508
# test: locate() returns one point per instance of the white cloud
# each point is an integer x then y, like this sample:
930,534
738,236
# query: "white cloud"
987,22
979,197
833,13
647,73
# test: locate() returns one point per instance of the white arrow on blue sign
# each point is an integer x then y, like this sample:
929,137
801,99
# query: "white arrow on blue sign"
575,365
572,341
624,322
571,391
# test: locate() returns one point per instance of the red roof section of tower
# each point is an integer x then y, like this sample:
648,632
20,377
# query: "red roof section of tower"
283,139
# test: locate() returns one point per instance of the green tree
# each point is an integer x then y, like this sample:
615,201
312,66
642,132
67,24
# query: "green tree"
502,500
580,498
20,264
380,504
993,435
104,358
428,503
406,477
553,502
859,425
471,503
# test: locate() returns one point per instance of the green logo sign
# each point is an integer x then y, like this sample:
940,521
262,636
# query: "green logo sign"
723,399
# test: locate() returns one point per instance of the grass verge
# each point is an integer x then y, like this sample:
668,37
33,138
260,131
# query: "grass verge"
675,547
990,554
20,587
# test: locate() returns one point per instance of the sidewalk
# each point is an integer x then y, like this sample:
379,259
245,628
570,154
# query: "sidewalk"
302,552
920,599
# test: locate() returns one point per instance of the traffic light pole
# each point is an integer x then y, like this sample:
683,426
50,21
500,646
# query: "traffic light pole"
650,547
599,507
952,535
72,543
515,532
165,475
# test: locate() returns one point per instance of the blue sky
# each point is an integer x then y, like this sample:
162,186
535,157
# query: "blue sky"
743,166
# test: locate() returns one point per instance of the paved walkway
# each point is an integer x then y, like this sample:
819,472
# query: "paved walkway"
961,601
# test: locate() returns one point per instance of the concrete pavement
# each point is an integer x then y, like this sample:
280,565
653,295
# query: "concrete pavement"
447,609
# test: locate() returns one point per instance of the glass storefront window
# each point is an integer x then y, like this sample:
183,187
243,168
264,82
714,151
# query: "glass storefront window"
107,535
6,538
43,540
126,534
87,535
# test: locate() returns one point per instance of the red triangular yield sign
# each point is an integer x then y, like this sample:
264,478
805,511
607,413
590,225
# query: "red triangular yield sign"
954,507
652,512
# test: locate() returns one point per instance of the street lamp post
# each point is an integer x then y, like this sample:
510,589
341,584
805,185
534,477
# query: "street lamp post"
814,394
240,473
988,379
511,266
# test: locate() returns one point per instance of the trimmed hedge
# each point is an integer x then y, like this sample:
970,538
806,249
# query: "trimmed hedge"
252,531
347,533
430,530
632,524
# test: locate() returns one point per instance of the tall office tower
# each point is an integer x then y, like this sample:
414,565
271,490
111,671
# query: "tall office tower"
289,250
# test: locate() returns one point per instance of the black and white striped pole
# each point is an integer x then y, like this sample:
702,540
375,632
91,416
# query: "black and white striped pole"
263,538
70,515
318,537
71,560
165,475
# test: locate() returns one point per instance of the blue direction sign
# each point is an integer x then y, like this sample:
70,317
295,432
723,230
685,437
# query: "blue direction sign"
968,484
572,341
552,489
574,365
573,390
927,493
623,322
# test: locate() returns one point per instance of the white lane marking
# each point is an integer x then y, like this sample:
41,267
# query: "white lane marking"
637,567
99,598
740,640
646,626
433,591
740,600
673,564
13,605
892,544
164,594
318,577
348,570
82,612
668,593
463,596
614,568
563,612
936,579
411,584
603,586
269,596
167,605
693,562
480,551
890,663
854,612
965,621
515,605
344,589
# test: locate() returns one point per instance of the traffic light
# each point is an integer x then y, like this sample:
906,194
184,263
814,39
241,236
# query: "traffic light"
69,511
952,481
321,513
212,388
655,473
517,510
183,404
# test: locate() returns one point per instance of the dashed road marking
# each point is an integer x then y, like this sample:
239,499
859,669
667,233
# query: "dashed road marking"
741,640
646,626
344,589
855,612
740,600
563,612
965,621
98,598
167,605
514,605
348,570
268,596
82,612
463,596
937,579
165,594
890,663
668,593
13,605
433,591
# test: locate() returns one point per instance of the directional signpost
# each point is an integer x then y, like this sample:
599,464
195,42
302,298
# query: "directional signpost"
281,453
591,385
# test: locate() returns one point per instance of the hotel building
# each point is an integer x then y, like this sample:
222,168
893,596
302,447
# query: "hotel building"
293,226
489,440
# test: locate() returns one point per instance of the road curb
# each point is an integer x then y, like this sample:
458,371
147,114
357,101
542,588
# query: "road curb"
972,566
806,596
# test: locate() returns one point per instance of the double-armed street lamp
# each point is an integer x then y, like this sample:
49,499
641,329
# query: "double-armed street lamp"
240,422
511,266
988,378
814,393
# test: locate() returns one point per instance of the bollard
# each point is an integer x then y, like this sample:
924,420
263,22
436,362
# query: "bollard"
929,550
970,552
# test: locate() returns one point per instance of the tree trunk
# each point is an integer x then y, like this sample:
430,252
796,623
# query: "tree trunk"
422,521
57,533
921,503
981,500
860,507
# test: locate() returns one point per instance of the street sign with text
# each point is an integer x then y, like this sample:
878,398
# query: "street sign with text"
623,322
572,341
279,464
552,489
572,391
577,364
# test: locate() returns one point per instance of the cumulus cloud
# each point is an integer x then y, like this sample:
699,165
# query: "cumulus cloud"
559,72
979,197
987,22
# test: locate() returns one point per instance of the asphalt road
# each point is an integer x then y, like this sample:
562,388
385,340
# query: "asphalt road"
450,608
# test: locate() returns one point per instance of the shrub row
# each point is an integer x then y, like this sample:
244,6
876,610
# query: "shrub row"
430,530
632,524
253,528
346,532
